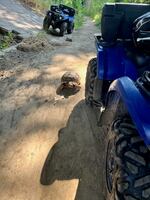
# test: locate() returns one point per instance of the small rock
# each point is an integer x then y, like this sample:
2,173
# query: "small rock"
15,32
3,31
69,39
18,38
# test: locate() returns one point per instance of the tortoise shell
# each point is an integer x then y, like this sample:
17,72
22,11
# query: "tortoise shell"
70,77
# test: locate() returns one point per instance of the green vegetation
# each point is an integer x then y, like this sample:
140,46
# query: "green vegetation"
94,9
6,41
133,1
91,8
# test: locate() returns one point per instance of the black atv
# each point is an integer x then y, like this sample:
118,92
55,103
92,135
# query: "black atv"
60,17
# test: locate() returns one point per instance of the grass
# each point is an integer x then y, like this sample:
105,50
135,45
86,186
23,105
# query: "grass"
7,40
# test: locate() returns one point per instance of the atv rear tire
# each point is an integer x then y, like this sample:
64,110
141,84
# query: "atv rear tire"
89,82
127,164
63,29
70,28
46,23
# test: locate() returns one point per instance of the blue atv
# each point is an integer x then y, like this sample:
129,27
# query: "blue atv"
60,17
118,84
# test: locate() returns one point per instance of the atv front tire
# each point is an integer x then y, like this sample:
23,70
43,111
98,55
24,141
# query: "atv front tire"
46,23
70,28
89,82
63,29
127,164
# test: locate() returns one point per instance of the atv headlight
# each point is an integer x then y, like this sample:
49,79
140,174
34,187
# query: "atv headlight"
60,17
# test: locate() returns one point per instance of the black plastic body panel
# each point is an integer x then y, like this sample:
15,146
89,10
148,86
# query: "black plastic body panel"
117,20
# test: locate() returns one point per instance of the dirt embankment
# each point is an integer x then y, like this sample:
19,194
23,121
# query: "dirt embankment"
32,117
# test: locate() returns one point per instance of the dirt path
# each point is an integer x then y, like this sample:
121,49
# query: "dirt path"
31,116
13,16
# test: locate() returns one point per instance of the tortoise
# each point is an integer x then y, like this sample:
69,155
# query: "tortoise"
70,84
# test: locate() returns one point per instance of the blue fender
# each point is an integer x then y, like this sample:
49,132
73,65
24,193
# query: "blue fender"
67,17
113,63
136,103
71,19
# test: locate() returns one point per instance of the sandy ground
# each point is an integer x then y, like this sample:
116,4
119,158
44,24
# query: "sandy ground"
35,122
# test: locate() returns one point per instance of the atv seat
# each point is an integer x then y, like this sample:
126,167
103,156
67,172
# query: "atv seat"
54,8
67,10
117,20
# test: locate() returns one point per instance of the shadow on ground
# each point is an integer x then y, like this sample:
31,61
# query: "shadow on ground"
76,155
66,92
